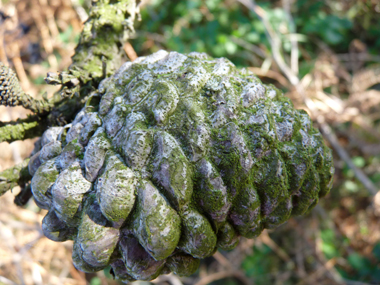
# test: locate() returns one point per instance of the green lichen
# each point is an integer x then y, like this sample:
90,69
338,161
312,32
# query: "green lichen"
185,154
109,25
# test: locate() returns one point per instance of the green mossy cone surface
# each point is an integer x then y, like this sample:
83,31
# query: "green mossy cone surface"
183,155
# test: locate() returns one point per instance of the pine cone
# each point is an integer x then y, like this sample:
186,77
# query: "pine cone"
183,155
11,92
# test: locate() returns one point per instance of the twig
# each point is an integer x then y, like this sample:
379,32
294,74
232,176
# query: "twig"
172,279
251,47
270,74
12,94
312,278
229,266
331,137
278,250
222,260
6,281
130,51
293,37
19,67
274,40
221,275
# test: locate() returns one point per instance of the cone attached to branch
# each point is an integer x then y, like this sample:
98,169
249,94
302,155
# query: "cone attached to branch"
181,155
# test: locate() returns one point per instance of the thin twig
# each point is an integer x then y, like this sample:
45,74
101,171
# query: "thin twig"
266,239
331,137
293,37
270,74
221,275
274,40
313,277
171,279
6,281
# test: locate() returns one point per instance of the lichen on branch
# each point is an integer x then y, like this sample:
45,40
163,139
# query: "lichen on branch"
98,54
110,24
14,176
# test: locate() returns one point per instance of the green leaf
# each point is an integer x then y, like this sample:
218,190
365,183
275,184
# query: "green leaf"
95,281
358,161
351,186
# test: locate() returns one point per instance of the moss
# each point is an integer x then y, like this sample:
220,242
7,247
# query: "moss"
191,154
156,224
198,238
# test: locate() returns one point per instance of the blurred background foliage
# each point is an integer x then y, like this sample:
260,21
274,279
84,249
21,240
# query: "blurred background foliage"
338,65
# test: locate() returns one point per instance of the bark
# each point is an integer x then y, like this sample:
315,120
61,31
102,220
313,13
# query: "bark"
16,175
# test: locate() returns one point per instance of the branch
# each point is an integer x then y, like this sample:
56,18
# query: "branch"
108,27
14,176
98,54
360,175
274,41
21,129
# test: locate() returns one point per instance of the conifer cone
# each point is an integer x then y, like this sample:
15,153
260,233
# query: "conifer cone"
174,157
10,89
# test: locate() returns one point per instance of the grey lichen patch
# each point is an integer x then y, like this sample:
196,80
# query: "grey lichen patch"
68,192
50,135
89,128
42,182
74,132
139,87
95,154
271,182
246,213
166,100
252,92
156,224
115,189
114,120
70,153
178,155
137,148
50,150
280,215
307,194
